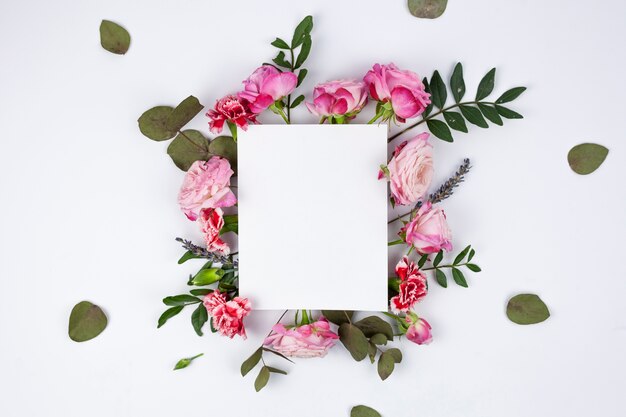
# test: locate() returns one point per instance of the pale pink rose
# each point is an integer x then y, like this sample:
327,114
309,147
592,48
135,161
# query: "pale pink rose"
418,331
267,85
404,89
211,222
206,185
342,98
410,170
227,314
428,232
307,341
412,288
230,109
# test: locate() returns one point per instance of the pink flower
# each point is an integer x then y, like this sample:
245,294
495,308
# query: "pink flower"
410,170
413,286
227,315
418,331
265,86
206,185
403,89
211,222
343,98
428,232
231,109
306,341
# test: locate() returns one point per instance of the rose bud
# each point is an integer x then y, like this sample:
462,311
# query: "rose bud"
338,101
419,330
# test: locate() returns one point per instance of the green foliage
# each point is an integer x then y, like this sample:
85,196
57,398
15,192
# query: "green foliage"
226,147
354,340
457,274
168,314
251,362
188,147
114,38
87,321
527,309
338,317
585,158
427,9
363,411
183,113
373,325
261,380
198,318
153,123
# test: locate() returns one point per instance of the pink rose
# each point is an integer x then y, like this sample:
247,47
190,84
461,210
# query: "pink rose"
411,170
211,222
230,109
306,341
338,99
428,232
413,286
403,89
418,331
265,86
227,315
206,185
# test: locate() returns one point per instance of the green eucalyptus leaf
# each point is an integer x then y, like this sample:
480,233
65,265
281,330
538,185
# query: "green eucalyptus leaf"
279,43
87,321
474,116
458,277
485,87
440,130
457,83
226,147
440,276
396,354
508,113
386,364
168,314
251,362
363,411
354,340
373,324
438,92
188,147
510,95
183,113
427,9
261,380
586,157
153,123
198,318
114,38
379,339
276,370
490,113
185,362
455,121
277,354
338,317
527,309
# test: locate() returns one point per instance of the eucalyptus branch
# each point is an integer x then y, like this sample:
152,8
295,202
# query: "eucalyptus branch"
201,252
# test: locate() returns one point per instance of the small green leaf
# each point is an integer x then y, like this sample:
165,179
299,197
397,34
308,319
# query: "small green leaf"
510,95
277,354
152,123
490,113
379,339
276,370
508,113
183,113
251,362
338,317
183,363
188,147
279,43
422,260
180,300
485,87
440,130
386,364
297,101
441,278
396,354
471,255
301,75
87,321
455,121
474,116
280,60
231,224
586,157
427,9
373,324
168,314
200,292
461,255
354,340
372,350
303,28
458,277
187,256
473,267
527,309
198,318
226,147
363,411
438,93
304,51
457,84
438,258
114,38
261,380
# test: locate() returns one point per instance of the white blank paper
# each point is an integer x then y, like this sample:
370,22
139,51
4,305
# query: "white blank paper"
313,217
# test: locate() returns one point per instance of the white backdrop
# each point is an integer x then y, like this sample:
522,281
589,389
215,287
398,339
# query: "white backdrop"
89,209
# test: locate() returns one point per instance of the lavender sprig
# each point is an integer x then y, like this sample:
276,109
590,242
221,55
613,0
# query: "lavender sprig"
203,253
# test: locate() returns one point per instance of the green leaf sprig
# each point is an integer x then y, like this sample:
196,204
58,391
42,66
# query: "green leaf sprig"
457,274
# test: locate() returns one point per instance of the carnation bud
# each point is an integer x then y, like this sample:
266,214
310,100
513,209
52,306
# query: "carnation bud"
207,276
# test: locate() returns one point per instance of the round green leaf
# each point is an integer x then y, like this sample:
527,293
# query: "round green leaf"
188,147
364,411
183,113
87,321
386,364
527,309
427,9
338,317
153,123
354,340
372,325
114,38
586,157
226,147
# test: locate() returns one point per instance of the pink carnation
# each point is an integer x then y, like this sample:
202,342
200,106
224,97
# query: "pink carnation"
412,288
230,109
428,232
343,98
306,341
206,185
265,86
211,222
227,314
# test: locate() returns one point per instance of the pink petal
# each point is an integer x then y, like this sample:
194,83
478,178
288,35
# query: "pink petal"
279,85
403,102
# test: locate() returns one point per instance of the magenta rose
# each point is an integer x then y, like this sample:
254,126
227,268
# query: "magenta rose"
227,314
410,170
206,185
418,330
306,341
401,88
211,222
265,86
412,288
230,109
338,100
428,232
